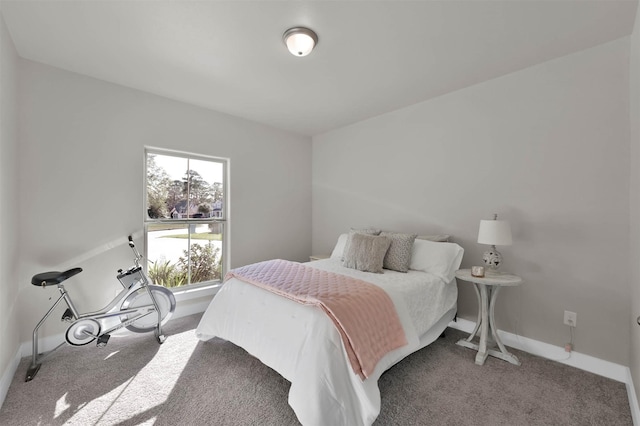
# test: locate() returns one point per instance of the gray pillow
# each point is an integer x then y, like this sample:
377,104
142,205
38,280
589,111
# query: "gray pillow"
365,252
369,230
365,231
398,257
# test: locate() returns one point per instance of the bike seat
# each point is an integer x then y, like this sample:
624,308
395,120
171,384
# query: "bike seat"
53,277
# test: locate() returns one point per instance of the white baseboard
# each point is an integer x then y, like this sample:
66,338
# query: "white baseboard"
193,308
7,376
555,353
194,301
594,365
633,399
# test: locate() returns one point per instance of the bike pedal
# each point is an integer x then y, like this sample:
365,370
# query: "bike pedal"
102,340
67,316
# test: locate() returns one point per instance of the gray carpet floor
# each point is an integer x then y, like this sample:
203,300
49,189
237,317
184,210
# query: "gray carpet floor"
135,381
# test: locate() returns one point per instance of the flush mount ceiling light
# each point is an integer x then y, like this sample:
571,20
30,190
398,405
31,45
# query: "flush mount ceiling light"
300,41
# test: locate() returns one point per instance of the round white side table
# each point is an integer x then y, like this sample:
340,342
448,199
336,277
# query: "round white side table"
487,289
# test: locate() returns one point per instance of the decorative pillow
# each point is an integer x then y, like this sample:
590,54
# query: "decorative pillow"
365,231
444,238
365,252
440,259
369,230
398,256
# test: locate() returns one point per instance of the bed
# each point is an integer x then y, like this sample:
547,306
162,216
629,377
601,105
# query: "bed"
302,344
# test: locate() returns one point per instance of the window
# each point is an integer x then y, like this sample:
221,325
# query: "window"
185,217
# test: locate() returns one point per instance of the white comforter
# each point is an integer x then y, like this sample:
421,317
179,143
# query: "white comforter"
301,343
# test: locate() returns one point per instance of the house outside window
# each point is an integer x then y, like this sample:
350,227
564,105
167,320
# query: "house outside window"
184,218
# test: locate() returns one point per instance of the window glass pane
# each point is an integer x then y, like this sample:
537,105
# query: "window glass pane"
166,186
206,252
205,188
166,245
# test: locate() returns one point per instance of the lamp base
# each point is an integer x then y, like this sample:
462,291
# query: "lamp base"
492,258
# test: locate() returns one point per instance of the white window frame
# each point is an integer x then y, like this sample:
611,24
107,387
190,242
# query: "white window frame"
194,290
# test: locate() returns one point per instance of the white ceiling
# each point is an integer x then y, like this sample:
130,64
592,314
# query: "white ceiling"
372,57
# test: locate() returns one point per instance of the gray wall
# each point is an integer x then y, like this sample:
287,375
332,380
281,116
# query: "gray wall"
546,148
81,180
634,197
9,217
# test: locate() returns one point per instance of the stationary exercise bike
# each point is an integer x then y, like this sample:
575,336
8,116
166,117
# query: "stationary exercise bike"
140,307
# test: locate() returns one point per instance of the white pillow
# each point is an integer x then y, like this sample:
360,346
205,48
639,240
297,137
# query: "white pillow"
439,238
440,259
338,250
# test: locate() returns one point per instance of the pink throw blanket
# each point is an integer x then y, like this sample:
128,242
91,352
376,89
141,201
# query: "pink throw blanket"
362,312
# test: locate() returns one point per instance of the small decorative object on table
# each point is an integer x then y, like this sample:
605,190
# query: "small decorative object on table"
477,271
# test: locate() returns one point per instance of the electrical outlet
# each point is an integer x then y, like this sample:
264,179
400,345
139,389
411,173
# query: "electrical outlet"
570,318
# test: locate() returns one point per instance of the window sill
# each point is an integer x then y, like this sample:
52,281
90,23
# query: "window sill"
208,290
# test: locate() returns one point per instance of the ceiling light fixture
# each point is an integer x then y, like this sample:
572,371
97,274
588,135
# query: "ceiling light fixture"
300,41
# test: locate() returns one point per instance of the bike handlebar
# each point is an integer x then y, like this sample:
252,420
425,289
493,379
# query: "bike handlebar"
135,250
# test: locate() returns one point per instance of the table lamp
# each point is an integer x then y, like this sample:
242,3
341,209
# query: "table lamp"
494,233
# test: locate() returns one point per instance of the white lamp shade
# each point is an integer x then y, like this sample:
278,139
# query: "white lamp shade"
300,41
494,232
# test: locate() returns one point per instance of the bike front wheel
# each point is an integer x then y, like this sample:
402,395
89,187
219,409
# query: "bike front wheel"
163,297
